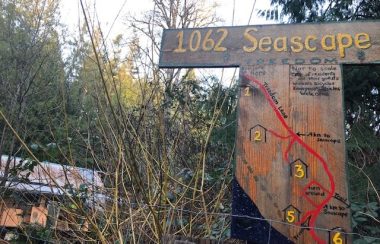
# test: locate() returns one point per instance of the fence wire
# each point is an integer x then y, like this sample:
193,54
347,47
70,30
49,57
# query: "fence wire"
230,215
270,221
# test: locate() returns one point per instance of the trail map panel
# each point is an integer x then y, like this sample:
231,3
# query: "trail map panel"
290,149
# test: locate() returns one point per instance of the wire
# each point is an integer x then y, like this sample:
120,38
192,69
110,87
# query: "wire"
117,16
253,8
233,13
229,215
262,219
269,232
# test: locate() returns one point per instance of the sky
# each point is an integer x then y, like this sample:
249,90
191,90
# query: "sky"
112,14
114,11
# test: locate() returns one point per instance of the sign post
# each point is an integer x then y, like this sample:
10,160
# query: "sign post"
290,178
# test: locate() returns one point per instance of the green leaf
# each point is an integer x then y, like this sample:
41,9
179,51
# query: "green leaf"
370,240
373,206
221,206
355,207
374,229
227,232
354,223
361,219
359,241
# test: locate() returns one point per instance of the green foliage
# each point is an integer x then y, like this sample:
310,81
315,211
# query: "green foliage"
322,10
31,72
141,131
364,221
37,233
361,190
23,170
362,84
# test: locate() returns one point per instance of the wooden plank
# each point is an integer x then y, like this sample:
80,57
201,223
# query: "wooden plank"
290,149
321,43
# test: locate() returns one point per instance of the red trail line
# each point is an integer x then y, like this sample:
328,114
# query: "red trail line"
278,135
314,213
286,155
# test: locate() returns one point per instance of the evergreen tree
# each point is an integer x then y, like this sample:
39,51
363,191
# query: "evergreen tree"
31,74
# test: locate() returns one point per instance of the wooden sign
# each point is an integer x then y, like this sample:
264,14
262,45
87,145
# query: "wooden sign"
290,179
290,149
331,43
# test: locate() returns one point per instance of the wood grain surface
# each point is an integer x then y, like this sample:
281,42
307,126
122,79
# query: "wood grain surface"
321,43
290,149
